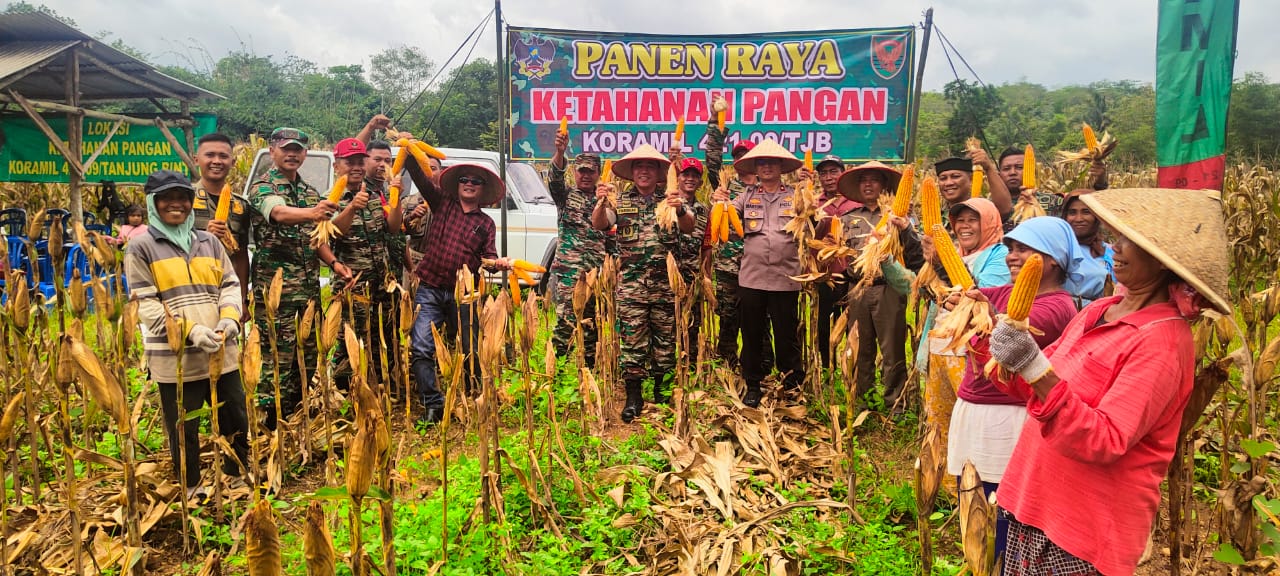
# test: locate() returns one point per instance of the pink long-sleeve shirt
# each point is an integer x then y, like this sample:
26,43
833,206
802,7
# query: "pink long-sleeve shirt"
1088,465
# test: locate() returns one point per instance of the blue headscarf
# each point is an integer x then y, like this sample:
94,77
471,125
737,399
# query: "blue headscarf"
1051,236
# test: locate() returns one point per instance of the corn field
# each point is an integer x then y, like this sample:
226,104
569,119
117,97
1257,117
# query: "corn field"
535,473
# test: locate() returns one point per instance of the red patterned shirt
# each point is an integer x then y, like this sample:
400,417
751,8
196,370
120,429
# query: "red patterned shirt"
455,238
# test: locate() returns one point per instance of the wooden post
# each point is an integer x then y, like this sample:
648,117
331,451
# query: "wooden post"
173,141
190,131
72,160
102,145
75,135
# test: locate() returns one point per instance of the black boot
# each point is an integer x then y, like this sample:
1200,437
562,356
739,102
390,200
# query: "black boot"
635,401
661,393
752,396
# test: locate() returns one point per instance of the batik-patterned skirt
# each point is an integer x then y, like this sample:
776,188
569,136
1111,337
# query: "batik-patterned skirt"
1029,552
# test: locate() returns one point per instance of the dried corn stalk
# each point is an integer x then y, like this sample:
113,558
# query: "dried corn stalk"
317,544
805,204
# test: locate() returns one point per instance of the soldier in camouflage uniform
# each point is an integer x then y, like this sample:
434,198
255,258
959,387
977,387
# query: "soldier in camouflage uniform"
581,247
728,257
646,316
284,211
213,156
366,246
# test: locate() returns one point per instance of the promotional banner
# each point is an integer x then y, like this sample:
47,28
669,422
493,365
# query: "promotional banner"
843,92
26,155
1195,54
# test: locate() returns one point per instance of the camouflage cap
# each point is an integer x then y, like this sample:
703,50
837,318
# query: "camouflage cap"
587,160
282,137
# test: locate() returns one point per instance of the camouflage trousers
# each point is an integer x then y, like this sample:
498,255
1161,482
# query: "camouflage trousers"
287,347
646,324
562,337
367,313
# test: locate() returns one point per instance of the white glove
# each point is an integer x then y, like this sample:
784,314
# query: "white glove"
1018,352
229,328
205,339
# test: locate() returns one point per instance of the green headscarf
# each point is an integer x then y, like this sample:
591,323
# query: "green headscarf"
180,234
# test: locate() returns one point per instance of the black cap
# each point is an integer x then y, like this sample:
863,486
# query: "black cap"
164,180
830,159
956,163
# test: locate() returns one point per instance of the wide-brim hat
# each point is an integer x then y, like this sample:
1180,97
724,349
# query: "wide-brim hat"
767,149
493,187
1183,229
622,168
848,182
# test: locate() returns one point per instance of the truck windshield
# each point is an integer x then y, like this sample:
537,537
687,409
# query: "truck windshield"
529,184
316,170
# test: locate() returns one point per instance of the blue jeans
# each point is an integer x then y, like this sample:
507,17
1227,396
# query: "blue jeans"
436,307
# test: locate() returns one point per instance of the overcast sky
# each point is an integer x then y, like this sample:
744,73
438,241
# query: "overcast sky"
1050,42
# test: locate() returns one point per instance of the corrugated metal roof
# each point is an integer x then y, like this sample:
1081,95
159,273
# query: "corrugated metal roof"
29,39
16,57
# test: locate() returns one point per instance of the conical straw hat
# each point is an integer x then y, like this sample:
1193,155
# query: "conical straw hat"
622,168
1183,229
767,149
493,187
848,182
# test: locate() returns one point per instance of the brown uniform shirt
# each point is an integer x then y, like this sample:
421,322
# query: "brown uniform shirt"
770,254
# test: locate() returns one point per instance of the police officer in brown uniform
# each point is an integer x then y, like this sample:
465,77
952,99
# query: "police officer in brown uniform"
767,296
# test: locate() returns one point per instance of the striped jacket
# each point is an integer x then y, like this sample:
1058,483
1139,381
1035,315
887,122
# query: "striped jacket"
200,288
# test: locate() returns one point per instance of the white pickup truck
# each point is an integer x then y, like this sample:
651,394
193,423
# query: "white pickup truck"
531,213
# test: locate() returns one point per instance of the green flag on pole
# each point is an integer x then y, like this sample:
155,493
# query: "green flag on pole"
1195,53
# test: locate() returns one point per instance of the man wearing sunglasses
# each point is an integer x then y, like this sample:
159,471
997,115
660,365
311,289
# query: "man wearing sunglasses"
285,209
461,234
580,247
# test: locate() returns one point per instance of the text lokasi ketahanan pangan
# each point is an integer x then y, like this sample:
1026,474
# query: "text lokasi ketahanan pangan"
844,92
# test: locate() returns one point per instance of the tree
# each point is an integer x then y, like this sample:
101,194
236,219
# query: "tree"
28,8
1253,130
399,74
461,108
973,108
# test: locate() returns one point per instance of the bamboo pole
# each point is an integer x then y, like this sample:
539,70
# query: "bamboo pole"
90,113
75,134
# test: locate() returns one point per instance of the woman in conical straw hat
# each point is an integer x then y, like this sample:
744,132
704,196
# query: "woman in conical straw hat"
645,310
767,295
1106,400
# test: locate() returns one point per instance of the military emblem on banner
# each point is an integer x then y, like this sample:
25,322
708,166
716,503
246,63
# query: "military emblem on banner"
889,54
533,58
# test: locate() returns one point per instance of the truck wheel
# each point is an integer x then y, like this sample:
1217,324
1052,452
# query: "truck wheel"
548,258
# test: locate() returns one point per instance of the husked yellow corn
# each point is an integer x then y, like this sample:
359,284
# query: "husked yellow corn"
1090,139
1025,288
732,214
1029,168
339,185
902,198
979,181
950,257
930,204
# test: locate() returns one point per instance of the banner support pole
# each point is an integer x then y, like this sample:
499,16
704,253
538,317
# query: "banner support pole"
503,78
914,120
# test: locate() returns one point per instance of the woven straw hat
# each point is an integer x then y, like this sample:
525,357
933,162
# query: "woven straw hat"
493,187
622,168
848,182
1183,229
767,149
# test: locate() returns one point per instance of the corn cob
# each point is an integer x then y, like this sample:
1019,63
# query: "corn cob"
666,214
10,417
397,166
224,204
339,186
308,319
528,266
977,523
1025,288
523,276
332,326
979,182
1029,168
930,204
362,458
680,130
564,125
429,150
420,157
262,541
515,289
251,371
606,175
902,199
720,120
1090,140
717,212
78,302
808,159
950,257
732,214
19,301
102,300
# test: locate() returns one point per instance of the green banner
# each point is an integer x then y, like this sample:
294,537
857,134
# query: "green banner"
26,155
1195,53
843,92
